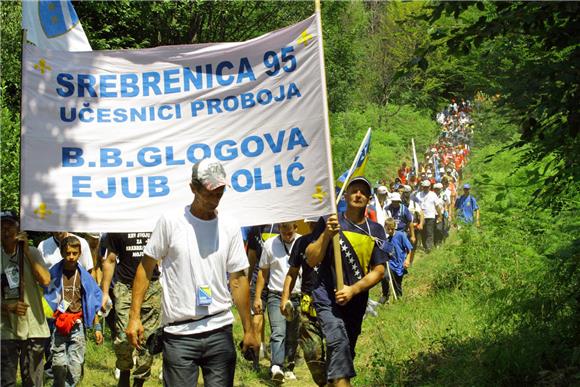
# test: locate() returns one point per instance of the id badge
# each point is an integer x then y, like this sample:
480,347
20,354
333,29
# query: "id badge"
203,295
13,277
63,306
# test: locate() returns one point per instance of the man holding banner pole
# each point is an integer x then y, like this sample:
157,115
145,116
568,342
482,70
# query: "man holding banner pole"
362,263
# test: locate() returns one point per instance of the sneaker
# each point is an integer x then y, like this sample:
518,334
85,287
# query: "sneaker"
372,303
277,374
289,375
370,311
117,373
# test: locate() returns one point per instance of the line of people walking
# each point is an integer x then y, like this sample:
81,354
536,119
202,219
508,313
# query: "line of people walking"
172,290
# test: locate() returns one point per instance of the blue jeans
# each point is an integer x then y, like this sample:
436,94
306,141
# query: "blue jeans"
213,351
284,336
68,356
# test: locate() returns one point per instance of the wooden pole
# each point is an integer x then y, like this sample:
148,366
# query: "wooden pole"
335,240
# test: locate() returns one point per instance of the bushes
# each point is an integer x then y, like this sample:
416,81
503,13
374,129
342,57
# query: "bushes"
496,305
393,127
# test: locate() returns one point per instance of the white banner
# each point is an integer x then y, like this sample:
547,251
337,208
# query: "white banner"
109,137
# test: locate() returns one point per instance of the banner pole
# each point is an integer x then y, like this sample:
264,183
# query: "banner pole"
20,248
335,239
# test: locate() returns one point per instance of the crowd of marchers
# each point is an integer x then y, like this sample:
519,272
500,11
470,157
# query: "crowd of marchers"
171,291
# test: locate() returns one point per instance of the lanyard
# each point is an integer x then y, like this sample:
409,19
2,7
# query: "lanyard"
367,231
73,285
286,247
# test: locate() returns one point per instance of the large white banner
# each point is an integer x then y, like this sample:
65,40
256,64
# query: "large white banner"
109,137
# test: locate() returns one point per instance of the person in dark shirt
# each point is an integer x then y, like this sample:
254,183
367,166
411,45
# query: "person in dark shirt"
341,311
310,336
256,238
127,248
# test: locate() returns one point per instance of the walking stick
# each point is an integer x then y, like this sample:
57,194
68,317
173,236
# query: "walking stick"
391,282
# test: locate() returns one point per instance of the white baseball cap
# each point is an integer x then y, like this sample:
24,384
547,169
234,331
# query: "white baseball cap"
210,173
382,190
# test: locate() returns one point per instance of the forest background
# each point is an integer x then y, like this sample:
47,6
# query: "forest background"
498,305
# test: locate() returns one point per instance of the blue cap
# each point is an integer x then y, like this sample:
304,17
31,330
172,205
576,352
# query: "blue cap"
466,186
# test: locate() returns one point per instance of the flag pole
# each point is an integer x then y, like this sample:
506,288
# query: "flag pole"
415,163
354,162
335,240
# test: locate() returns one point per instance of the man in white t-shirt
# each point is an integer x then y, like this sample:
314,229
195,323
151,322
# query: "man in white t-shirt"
274,264
429,203
196,250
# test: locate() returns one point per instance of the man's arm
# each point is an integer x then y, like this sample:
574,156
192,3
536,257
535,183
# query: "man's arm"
263,276
108,270
316,251
289,283
411,226
241,295
135,331
252,260
372,278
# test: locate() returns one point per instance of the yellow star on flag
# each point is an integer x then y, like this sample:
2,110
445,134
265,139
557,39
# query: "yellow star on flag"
42,212
42,66
319,194
304,38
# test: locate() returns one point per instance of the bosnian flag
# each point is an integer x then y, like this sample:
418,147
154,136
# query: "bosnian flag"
53,25
91,294
358,169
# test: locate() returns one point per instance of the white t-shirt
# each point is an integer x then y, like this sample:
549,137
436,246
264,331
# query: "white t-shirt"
51,252
275,256
194,253
428,201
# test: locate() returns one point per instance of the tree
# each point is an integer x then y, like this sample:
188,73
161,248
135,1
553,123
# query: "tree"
529,53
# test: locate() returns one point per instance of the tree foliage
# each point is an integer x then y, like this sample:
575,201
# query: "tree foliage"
528,54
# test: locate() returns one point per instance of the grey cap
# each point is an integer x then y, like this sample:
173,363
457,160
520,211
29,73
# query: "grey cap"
210,173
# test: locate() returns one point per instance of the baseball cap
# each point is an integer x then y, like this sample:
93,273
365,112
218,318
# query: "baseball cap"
395,197
8,215
95,235
382,190
466,186
363,180
407,188
210,173
438,185
425,183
